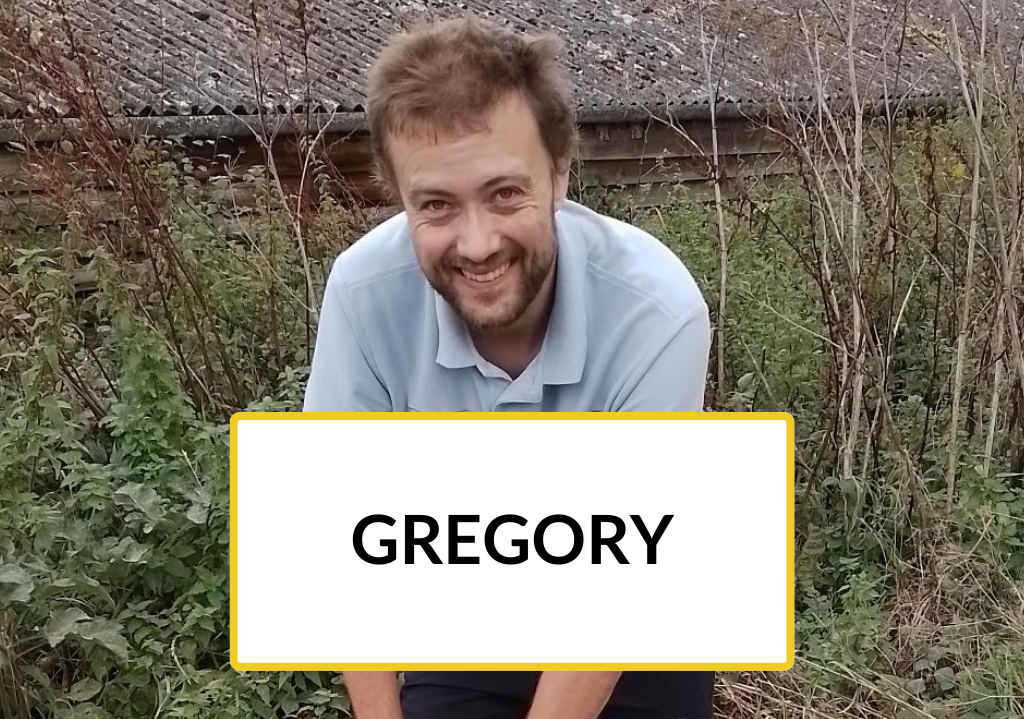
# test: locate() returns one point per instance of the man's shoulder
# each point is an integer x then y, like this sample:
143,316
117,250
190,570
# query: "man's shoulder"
628,264
383,254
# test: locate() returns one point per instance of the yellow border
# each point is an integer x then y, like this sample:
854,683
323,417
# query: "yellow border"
328,666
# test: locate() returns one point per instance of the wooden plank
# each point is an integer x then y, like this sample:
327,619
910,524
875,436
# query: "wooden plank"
660,194
13,173
24,210
351,155
342,153
680,169
618,155
210,158
655,139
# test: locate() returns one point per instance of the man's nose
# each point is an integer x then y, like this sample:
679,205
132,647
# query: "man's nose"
478,238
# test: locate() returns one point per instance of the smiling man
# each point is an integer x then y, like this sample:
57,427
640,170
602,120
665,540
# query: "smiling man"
491,292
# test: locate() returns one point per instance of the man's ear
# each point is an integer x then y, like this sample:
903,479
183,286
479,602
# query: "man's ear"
560,182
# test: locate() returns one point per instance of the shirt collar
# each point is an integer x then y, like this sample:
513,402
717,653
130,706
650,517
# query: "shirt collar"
454,345
564,350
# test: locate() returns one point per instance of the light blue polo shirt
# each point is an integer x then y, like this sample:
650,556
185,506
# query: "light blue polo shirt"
628,332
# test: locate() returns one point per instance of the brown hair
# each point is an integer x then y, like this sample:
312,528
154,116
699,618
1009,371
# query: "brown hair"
449,74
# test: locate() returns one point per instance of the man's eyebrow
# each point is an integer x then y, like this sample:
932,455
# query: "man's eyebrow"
418,192
514,179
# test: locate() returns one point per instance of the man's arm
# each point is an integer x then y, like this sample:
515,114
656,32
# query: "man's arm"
572,695
342,377
374,695
673,378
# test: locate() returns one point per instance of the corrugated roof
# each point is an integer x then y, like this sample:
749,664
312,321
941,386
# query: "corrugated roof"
204,57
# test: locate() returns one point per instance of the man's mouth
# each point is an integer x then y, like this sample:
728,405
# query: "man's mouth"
483,278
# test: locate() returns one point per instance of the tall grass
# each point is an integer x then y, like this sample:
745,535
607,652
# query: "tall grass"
875,295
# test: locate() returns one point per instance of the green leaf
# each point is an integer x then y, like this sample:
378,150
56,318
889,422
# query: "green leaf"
263,691
15,584
85,689
341,703
85,711
51,357
945,678
107,633
939,710
196,514
143,498
128,550
62,622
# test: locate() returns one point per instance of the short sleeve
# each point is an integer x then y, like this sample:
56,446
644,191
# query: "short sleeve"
342,377
674,377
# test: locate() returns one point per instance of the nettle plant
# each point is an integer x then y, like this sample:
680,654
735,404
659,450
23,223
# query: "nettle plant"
114,534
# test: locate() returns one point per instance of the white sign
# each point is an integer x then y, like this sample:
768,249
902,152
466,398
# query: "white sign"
511,541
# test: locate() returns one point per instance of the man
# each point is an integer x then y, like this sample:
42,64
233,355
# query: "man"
492,292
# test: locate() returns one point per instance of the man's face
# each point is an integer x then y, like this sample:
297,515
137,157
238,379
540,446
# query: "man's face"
481,210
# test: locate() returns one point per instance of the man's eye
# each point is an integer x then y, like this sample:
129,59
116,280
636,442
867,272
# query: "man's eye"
434,206
507,193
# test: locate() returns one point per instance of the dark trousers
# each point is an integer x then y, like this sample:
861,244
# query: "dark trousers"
691,699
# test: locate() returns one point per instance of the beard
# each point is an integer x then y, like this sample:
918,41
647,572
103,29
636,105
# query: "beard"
483,313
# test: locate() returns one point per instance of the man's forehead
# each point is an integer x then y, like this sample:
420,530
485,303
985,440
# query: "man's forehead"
464,165
472,156
505,109
439,182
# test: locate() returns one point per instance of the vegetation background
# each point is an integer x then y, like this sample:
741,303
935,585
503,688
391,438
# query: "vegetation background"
876,295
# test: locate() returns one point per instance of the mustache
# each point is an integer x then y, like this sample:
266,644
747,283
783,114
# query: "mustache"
453,261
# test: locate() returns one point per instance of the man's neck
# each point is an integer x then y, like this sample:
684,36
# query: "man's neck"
513,348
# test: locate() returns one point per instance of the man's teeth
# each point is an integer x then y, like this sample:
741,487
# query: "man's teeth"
490,276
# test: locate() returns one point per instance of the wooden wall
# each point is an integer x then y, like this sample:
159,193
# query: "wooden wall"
649,155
